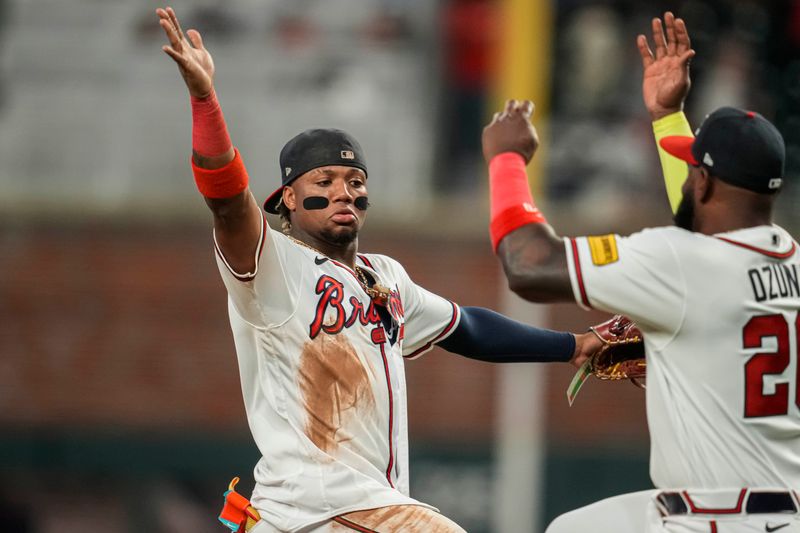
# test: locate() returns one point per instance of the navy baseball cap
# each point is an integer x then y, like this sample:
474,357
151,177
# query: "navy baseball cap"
313,149
739,147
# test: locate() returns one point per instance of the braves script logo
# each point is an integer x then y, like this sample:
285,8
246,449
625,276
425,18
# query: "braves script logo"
331,303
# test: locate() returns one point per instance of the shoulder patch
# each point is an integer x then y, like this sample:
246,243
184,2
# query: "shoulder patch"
604,249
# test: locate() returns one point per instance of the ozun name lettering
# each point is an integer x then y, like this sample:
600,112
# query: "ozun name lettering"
773,281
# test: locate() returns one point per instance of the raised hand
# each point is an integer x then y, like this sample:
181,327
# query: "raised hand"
511,131
194,61
666,81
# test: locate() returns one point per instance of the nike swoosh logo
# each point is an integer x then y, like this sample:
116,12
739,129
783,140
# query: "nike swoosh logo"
320,260
770,528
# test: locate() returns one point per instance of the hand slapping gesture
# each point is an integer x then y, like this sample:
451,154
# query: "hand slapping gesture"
194,62
666,82
511,131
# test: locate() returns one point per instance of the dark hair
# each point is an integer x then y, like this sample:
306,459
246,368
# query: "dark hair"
285,214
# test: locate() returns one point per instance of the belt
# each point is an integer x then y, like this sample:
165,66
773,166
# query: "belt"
250,524
753,502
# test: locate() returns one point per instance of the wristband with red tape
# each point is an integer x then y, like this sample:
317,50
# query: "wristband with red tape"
511,200
209,132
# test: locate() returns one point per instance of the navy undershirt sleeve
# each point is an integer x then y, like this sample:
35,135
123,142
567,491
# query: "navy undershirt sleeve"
488,336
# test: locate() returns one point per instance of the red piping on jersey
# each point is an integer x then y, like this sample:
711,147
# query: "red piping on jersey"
263,240
439,336
577,260
698,510
391,416
768,253
352,525
352,273
366,261
342,265
713,525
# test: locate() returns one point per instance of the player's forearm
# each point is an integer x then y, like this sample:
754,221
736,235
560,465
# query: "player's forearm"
222,179
218,168
533,256
213,162
211,143
237,217
488,336
229,213
674,170
535,264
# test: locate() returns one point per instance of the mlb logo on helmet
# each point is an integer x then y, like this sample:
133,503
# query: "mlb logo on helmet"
738,147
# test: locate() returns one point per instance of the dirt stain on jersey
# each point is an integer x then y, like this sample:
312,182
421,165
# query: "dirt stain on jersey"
407,518
335,388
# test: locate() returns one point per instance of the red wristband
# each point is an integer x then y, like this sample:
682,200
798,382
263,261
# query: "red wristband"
209,132
223,182
511,201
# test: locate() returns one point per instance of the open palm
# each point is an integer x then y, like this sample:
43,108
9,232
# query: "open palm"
194,62
666,81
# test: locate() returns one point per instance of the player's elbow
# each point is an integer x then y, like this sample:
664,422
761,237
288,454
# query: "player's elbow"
527,285
538,282
534,261
517,279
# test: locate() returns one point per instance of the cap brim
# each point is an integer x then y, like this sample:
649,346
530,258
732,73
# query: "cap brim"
679,146
271,203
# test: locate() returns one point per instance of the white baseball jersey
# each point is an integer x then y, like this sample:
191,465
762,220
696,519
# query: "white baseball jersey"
720,319
323,379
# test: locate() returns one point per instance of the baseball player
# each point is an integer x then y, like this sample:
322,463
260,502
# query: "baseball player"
717,298
322,331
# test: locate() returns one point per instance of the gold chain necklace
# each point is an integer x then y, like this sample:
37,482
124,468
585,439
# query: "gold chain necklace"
377,292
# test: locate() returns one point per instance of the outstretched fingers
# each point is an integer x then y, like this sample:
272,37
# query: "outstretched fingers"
172,34
682,36
195,38
658,38
672,43
686,58
174,18
179,58
644,51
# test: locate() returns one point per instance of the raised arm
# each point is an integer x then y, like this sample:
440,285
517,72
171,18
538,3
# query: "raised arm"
665,85
219,172
533,256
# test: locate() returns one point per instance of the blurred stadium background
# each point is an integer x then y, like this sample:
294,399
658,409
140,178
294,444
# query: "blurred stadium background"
120,408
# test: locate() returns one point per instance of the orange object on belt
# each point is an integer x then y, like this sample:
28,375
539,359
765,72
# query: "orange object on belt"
237,513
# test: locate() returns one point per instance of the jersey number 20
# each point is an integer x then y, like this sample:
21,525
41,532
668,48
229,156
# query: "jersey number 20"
756,403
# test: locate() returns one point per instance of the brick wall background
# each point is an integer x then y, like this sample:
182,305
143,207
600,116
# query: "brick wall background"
119,392
116,325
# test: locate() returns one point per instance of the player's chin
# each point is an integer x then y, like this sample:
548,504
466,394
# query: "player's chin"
341,234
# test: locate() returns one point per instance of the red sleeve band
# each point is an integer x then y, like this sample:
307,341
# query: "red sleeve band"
223,182
511,219
511,201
